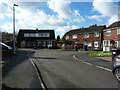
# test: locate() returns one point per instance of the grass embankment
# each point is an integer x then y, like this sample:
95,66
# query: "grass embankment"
101,54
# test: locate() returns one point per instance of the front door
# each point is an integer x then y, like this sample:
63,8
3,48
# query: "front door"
106,45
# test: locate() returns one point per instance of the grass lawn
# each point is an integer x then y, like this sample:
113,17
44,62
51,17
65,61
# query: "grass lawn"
101,54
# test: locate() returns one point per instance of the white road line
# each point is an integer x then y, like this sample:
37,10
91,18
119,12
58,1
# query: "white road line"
88,63
104,68
42,85
92,64
81,60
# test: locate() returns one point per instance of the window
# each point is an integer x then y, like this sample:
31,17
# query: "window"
117,44
106,43
26,34
88,44
67,37
118,31
32,34
108,33
40,35
49,42
96,34
37,35
86,35
46,35
74,36
43,35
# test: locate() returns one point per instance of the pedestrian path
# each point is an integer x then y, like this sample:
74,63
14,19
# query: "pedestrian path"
96,61
19,73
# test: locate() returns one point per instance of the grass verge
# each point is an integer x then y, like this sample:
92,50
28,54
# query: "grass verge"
101,54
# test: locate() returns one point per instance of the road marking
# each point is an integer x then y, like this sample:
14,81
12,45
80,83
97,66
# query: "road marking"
81,60
104,68
92,64
42,85
88,63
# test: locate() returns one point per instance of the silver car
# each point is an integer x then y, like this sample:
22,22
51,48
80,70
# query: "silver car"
116,67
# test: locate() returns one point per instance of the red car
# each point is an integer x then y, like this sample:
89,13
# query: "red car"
78,46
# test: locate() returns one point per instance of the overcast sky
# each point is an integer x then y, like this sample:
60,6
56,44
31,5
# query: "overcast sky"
60,15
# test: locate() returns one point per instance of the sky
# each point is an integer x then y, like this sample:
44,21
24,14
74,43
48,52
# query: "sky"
58,15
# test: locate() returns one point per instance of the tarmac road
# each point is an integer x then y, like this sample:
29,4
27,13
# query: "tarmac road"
60,70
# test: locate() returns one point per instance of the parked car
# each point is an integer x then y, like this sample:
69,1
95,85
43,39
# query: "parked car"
78,46
116,64
6,50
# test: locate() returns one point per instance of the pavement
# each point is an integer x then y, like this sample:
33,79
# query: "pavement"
18,73
104,62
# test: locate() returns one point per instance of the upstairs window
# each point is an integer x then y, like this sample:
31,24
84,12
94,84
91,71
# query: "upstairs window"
36,34
108,33
46,34
67,37
43,35
96,34
118,31
32,35
74,36
86,35
26,34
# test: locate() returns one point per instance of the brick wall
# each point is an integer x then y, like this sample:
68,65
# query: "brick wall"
80,38
113,35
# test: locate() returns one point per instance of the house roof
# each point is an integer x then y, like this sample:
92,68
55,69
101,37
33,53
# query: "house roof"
22,31
86,30
115,24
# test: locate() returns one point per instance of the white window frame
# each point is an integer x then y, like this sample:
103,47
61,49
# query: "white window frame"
32,34
86,35
109,31
106,43
74,36
117,44
96,34
46,34
67,37
118,31
88,43
42,34
26,35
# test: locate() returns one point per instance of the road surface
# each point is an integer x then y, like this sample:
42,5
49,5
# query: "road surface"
60,70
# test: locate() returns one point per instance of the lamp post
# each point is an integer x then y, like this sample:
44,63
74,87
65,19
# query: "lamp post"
14,26
118,10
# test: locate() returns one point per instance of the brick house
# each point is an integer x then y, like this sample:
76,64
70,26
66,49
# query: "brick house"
111,36
35,38
92,36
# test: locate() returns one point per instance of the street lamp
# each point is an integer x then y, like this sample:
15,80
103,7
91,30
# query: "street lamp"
14,26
